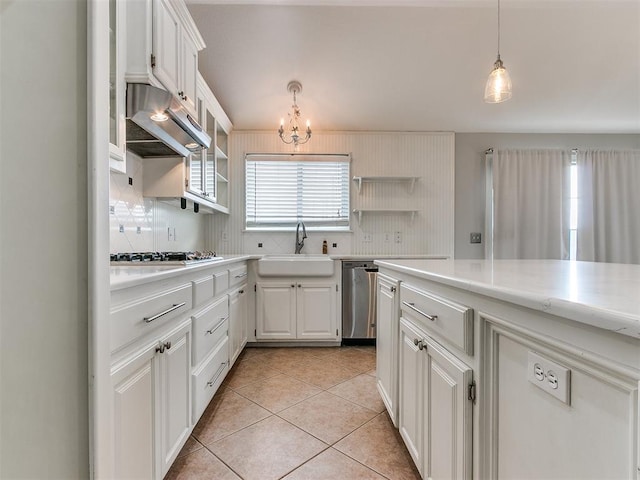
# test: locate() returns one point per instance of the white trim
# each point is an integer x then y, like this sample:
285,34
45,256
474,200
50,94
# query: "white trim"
100,411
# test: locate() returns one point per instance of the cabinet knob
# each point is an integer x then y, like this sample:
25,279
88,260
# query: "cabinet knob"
180,93
393,289
241,292
293,286
299,286
418,343
163,346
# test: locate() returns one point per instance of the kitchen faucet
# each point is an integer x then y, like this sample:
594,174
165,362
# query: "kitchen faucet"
300,241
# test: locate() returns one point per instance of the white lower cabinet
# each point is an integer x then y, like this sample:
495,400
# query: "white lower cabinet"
134,387
175,389
237,322
151,399
435,406
388,312
296,310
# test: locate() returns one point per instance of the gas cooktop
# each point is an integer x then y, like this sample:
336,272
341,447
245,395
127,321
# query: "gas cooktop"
158,259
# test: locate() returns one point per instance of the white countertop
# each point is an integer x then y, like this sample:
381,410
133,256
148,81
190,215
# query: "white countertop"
123,276
603,295
128,276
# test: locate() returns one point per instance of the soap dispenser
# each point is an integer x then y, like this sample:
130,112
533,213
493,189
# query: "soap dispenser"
325,247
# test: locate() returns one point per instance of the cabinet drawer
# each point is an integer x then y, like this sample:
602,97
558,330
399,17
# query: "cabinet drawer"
134,319
208,378
220,282
209,326
237,275
450,320
203,290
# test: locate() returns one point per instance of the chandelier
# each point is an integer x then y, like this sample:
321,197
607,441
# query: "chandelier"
293,132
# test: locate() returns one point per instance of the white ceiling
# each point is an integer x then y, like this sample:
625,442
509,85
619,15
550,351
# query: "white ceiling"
421,65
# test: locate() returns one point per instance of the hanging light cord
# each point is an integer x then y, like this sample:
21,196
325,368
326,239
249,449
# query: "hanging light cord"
498,29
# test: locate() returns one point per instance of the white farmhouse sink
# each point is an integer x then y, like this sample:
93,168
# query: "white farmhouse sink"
295,266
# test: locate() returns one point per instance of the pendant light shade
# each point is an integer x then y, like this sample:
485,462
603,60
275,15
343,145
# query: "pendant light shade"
498,87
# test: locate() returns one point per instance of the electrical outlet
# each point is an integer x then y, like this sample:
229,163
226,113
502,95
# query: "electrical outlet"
367,238
121,228
387,237
550,376
475,237
138,230
112,209
225,237
398,237
169,234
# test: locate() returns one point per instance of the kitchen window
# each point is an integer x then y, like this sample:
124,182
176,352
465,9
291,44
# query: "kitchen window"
282,190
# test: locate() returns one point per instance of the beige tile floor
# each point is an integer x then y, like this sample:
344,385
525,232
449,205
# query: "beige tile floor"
296,414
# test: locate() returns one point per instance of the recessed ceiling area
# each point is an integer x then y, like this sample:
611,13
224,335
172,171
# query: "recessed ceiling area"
421,65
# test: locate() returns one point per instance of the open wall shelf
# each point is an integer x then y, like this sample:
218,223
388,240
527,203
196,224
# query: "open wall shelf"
411,181
384,211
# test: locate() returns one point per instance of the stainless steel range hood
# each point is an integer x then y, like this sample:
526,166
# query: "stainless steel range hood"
159,126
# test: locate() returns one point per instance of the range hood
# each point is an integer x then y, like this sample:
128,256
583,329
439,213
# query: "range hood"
159,126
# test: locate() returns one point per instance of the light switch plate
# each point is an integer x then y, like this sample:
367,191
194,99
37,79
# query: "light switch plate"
550,376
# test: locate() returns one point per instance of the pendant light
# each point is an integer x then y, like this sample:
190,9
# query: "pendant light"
498,88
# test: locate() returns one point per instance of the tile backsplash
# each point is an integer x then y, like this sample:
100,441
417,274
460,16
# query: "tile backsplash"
139,224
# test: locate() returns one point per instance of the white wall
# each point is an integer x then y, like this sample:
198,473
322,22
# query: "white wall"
43,230
429,156
145,221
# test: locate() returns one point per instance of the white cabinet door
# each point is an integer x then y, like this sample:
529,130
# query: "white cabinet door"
388,314
189,71
448,415
237,322
166,37
316,311
411,387
175,401
276,311
133,399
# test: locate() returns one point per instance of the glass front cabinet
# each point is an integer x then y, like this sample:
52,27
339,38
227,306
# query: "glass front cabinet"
208,169
117,42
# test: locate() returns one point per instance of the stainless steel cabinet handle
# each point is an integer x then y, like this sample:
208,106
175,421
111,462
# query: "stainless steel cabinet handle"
412,306
161,314
241,275
214,328
211,382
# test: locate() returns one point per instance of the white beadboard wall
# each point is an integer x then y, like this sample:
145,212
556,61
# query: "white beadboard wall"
149,217
430,156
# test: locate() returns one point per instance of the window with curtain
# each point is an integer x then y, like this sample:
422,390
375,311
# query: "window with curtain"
284,190
608,205
531,204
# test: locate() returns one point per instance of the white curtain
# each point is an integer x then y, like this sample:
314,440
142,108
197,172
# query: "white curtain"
609,206
531,204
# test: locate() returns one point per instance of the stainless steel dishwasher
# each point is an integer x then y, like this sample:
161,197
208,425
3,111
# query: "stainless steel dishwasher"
359,302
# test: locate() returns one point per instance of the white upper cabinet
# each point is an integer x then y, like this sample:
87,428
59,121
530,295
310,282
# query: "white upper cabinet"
208,169
117,54
163,44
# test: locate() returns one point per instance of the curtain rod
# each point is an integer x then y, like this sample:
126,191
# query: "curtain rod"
294,154
490,150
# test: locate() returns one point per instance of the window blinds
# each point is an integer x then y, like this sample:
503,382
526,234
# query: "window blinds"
280,193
